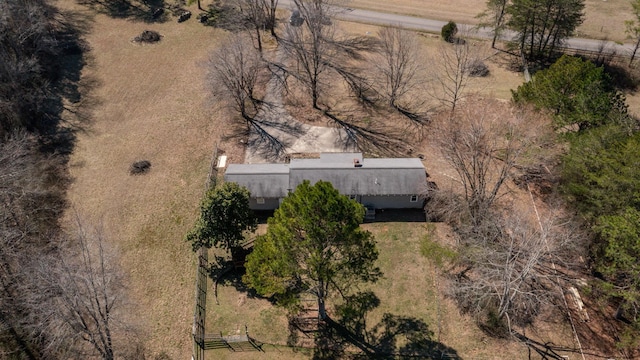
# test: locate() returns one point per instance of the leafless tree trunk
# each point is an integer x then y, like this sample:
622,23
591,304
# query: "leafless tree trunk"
317,50
398,64
257,15
234,71
271,6
451,73
84,295
90,291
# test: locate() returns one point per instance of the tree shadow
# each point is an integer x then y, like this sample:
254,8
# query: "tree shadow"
224,271
67,108
375,140
349,336
548,350
149,11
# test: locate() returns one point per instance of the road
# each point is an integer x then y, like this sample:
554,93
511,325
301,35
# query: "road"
434,26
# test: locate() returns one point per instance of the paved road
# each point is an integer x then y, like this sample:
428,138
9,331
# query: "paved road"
434,26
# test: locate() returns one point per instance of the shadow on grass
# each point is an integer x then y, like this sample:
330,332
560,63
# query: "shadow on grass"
68,106
144,10
226,272
349,336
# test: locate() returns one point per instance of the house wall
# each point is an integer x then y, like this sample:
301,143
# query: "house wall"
391,201
269,204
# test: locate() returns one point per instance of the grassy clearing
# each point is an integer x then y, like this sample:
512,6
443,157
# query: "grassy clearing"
149,103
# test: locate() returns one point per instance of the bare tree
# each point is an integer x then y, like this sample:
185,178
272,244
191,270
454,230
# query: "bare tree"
41,269
452,72
259,16
31,201
398,65
510,259
482,141
90,292
510,269
319,51
234,71
32,34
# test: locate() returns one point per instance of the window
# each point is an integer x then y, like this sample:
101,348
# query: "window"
414,198
260,200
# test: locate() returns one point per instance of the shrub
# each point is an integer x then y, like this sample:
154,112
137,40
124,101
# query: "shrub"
140,167
148,36
477,68
449,31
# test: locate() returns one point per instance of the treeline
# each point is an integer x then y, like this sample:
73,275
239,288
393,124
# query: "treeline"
59,295
600,174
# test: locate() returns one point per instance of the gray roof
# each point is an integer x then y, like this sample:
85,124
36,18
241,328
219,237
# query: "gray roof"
262,180
402,176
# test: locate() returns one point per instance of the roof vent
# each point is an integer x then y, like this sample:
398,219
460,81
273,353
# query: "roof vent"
357,163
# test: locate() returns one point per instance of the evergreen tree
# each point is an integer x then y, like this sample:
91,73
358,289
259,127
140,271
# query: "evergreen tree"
576,92
543,25
313,245
224,217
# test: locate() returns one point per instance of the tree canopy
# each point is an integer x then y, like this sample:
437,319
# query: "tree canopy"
313,245
224,217
543,25
601,176
575,92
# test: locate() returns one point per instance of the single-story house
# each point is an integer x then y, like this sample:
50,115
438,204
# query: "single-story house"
375,182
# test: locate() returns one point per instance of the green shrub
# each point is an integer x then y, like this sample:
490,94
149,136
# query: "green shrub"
449,32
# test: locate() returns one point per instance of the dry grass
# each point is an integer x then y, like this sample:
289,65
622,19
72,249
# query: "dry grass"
150,105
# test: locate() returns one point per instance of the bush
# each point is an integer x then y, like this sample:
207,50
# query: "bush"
148,36
140,167
449,31
477,68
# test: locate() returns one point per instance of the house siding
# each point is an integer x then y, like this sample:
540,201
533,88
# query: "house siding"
269,204
391,202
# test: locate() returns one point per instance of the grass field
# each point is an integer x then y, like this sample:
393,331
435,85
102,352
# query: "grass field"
149,102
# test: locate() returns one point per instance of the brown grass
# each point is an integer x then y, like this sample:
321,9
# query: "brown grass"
151,105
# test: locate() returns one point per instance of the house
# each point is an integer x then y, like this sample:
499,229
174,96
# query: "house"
375,182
